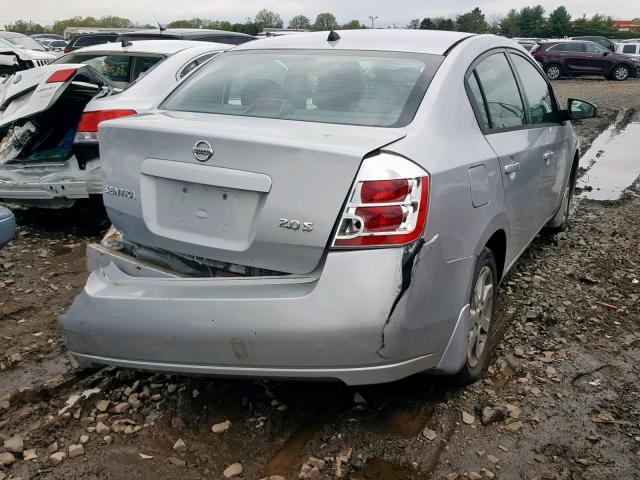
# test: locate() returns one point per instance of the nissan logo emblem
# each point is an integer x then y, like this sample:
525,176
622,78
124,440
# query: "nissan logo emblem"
202,150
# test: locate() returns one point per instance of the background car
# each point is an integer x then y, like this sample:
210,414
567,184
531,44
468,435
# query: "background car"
56,159
7,226
53,45
576,57
89,39
600,40
628,48
50,36
299,207
202,34
20,53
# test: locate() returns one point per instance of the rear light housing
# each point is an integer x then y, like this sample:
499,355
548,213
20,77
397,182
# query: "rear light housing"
387,206
87,131
61,76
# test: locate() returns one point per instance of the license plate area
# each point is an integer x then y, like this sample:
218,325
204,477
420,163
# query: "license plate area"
211,214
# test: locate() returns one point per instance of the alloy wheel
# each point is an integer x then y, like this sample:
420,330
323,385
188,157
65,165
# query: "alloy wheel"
480,313
621,73
553,72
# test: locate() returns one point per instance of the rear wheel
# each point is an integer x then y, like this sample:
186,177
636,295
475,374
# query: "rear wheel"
620,73
553,71
482,303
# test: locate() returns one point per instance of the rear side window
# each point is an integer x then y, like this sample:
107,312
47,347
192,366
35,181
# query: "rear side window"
542,108
476,93
189,67
567,47
344,87
629,49
501,92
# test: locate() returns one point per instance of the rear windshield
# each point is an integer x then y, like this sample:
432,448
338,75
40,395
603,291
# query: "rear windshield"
121,69
347,87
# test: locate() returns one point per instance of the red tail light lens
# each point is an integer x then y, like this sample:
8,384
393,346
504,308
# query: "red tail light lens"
66,50
62,76
385,212
88,127
384,191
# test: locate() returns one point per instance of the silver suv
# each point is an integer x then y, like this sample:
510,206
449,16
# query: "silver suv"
328,205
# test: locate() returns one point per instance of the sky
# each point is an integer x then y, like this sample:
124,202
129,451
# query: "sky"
389,12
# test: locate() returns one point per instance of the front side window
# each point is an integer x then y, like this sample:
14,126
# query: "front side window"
501,92
344,87
593,48
542,108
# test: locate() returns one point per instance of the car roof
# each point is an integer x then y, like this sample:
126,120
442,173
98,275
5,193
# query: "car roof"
186,32
5,34
151,46
435,42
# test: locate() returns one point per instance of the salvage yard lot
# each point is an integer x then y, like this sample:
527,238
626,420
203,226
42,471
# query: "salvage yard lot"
560,400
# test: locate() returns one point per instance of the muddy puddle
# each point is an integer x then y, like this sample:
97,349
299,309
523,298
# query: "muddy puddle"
612,163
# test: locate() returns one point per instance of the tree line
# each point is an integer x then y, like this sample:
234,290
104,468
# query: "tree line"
526,22
263,19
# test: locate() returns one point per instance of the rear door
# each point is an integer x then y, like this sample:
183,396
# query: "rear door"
574,57
546,126
517,147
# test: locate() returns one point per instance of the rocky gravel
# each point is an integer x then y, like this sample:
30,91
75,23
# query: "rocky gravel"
560,399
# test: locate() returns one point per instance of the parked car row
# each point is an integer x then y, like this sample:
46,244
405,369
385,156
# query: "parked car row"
297,206
49,118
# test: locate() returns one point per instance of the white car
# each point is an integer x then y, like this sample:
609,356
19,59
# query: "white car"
49,116
19,52
629,48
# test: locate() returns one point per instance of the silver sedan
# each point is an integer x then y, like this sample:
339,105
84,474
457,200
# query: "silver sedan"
337,205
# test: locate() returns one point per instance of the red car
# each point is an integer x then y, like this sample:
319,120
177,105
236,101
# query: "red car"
576,57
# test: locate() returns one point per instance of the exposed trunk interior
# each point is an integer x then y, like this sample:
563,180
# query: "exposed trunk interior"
48,135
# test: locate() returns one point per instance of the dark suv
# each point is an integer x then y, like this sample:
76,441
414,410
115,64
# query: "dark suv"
88,39
574,57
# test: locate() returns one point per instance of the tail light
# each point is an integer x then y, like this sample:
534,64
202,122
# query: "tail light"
62,76
88,127
387,206
66,50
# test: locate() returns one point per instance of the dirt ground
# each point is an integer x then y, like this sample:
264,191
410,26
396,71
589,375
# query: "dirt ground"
560,400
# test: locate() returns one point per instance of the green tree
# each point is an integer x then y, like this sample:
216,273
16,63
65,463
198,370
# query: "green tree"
268,19
532,21
446,24
472,21
325,21
111,21
300,22
26,26
352,25
414,24
559,23
427,24
510,24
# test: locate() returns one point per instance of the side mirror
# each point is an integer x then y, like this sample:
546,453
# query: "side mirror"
605,53
579,109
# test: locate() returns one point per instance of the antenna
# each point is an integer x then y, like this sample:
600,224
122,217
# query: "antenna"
160,27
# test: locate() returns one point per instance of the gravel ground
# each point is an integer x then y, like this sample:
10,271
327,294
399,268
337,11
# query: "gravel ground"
560,399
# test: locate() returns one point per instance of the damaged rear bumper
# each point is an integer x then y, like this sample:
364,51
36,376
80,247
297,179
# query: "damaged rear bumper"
51,185
326,325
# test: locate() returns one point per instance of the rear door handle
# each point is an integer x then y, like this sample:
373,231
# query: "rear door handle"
512,168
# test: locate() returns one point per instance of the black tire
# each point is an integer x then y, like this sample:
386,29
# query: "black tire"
553,71
475,364
620,73
560,222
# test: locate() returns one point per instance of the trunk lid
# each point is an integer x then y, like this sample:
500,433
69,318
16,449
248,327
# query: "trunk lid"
268,197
